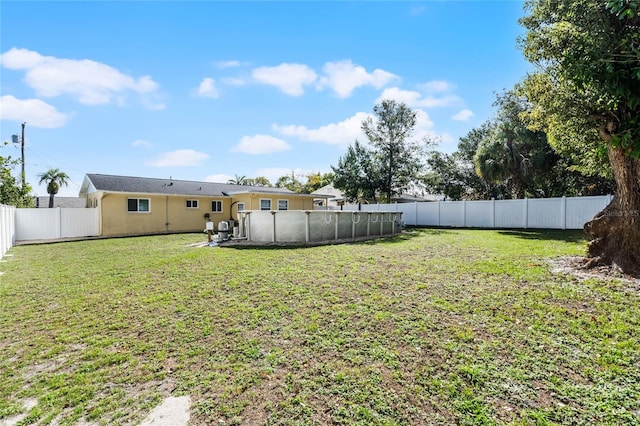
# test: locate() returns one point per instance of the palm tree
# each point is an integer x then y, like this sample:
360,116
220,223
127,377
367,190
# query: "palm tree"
239,180
54,178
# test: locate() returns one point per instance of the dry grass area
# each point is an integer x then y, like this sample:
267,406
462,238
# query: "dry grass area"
430,327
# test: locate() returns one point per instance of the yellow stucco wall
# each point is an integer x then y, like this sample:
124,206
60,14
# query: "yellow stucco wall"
252,202
166,214
170,214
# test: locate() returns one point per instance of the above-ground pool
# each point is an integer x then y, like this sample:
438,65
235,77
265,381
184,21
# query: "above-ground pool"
300,226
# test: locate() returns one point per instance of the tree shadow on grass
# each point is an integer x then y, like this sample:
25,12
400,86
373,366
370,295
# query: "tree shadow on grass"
569,236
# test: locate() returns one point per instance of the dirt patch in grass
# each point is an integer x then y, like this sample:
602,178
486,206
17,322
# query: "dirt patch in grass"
574,266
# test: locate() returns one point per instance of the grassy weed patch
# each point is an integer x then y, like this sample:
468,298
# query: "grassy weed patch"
430,327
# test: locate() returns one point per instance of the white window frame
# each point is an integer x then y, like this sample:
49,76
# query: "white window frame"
194,204
148,200
286,204
266,200
240,207
219,202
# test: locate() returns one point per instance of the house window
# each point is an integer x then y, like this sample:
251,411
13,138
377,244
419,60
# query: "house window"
192,204
138,205
216,206
283,204
265,204
240,207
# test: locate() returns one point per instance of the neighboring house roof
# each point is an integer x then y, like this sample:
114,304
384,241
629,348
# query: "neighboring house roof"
63,202
136,185
329,191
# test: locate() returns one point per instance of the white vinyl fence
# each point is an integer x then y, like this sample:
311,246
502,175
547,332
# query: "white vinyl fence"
544,213
53,224
7,228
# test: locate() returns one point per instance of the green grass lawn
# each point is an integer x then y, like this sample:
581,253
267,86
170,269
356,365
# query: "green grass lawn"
431,327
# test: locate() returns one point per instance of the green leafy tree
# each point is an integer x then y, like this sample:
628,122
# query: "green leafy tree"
390,135
317,180
261,181
291,182
11,193
538,170
358,175
511,153
53,178
454,174
238,180
586,97
445,176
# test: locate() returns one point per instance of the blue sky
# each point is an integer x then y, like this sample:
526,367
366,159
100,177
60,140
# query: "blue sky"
208,90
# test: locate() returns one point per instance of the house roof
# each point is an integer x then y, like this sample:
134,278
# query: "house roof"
329,191
64,202
136,185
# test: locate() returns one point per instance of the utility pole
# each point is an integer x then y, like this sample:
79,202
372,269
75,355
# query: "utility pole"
22,147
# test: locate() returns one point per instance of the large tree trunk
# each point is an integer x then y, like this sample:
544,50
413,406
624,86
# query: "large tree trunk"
51,200
615,231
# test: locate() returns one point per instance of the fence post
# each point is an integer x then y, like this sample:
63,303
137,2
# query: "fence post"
526,212
493,213
58,221
563,210
273,215
464,213
416,216
438,212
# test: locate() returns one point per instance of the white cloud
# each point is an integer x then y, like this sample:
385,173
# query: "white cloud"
233,81
417,10
261,144
424,130
90,82
35,112
415,99
152,102
207,88
437,86
178,158
219,178
423,121
142,144
342,133
424,126
343,77
463,115
290,78
16,59
228,64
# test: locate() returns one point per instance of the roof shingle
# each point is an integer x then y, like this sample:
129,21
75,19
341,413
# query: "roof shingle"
129,184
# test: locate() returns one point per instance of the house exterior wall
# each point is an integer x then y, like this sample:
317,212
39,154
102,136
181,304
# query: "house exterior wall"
167,213
252,202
